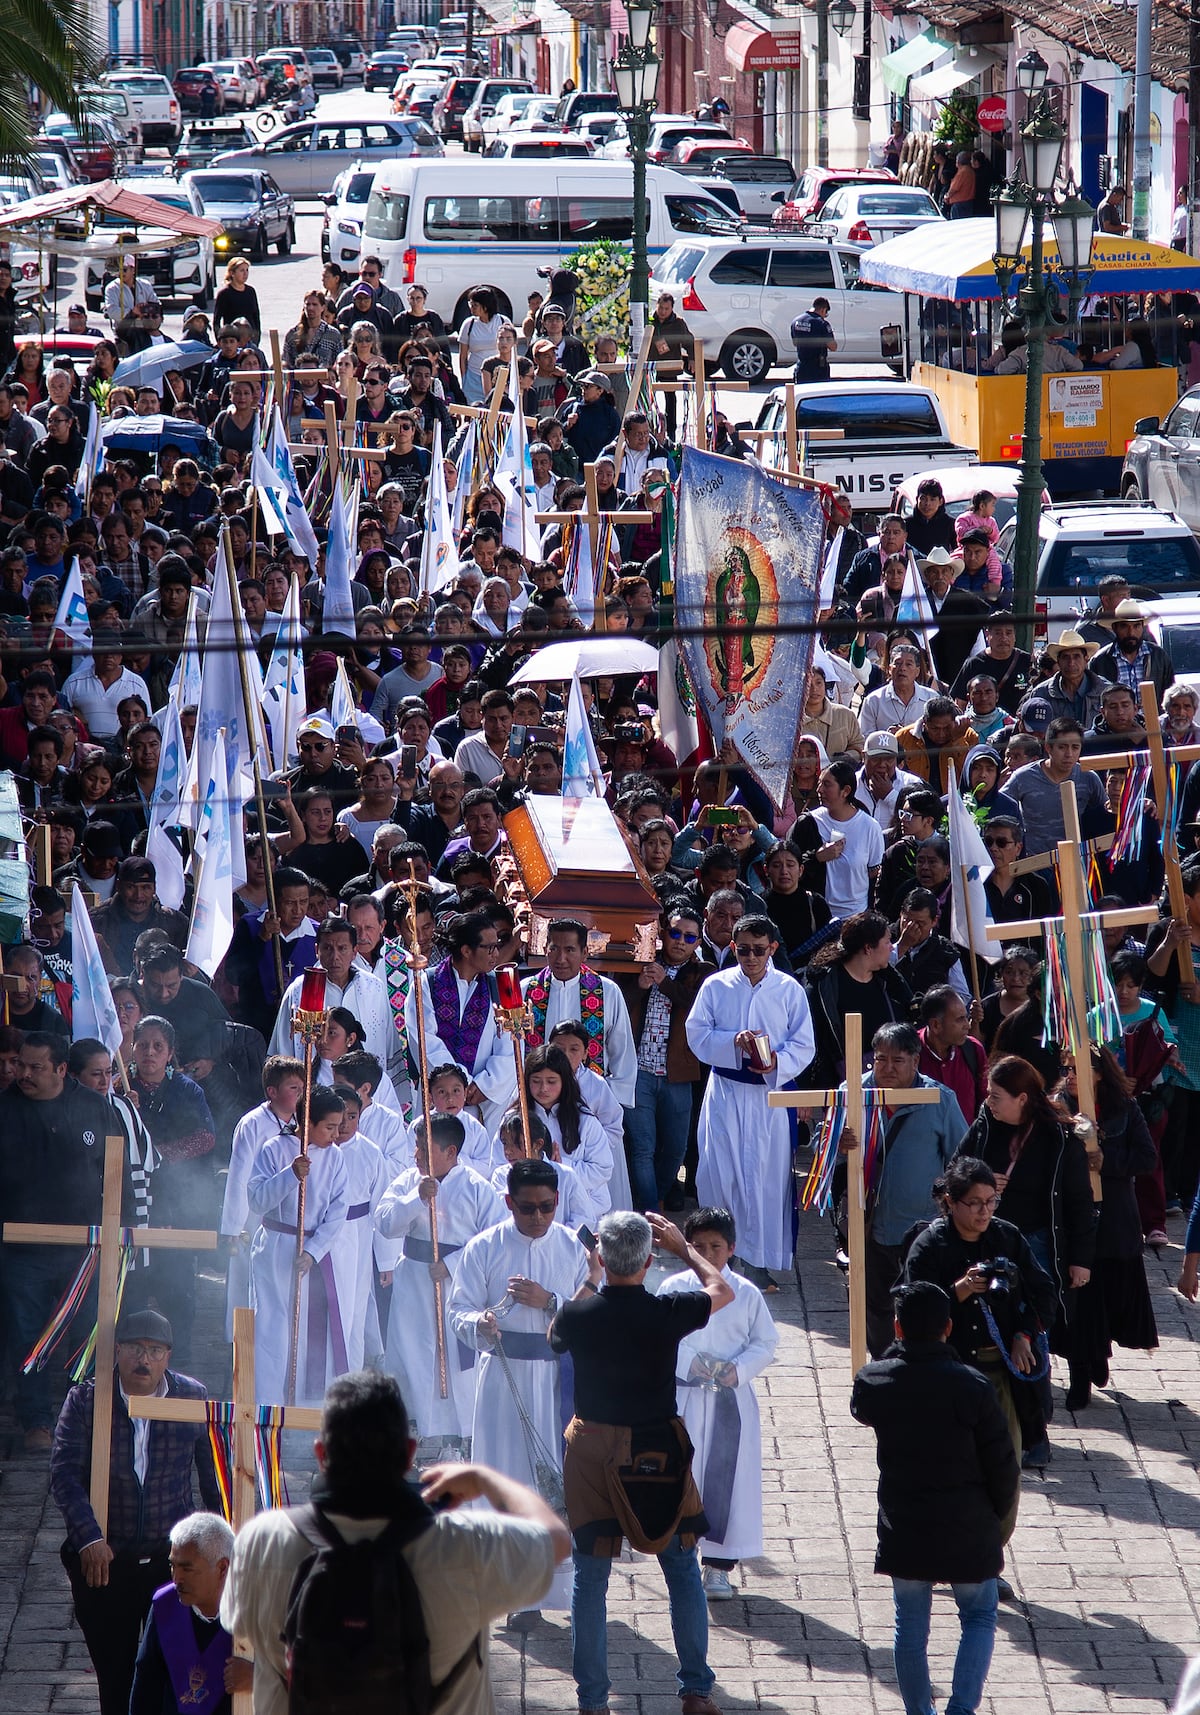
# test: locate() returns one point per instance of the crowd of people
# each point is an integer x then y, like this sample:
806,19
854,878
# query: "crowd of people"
441,1248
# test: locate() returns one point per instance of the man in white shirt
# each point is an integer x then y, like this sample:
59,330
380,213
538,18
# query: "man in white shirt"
902,700
96,696
544,479
881,780
486,755
127,295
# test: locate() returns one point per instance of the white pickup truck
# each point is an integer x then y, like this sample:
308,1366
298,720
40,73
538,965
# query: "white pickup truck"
885,431
154,102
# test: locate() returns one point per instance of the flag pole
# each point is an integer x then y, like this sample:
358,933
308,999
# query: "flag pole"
259,801
963,872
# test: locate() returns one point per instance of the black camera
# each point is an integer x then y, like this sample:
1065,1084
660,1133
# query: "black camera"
1003,1276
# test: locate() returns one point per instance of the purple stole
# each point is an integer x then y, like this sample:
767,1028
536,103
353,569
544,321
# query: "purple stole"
197,1676
461,1036
297,955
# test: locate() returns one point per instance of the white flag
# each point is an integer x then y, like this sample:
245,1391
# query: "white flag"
93,456
439,556
283,694
93,1010
212,913
582,775
297,523
185,680
970,867
913,608
72,616
270,492
164,812
337,611
466,463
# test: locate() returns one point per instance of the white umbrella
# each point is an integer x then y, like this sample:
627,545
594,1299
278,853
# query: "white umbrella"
589,658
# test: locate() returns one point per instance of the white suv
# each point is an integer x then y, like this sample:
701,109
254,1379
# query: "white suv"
741,295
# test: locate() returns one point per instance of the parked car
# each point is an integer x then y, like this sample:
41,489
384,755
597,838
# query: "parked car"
412,89
326,68
55,170
154,101
1162,461
759,180
411,40
238,90
452,104
345,209
204,138
597,127
383,68
192,83
511,110
60,150
816,184
1079,543
98,146
483,104
299,58
183,273
706,149
870,214
421,103
540,146
294,62
253,209
304,159
572,106
118,105
741,294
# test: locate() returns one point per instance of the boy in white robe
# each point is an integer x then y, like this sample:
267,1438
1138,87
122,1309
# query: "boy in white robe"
574,1207
367,1178
509,1284
271,1192
383,1124
716,1370
746,1147
448,1095
283,1086
599,1100
466,1205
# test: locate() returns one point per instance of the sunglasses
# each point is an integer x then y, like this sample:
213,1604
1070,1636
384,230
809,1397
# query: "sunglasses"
535,1208
752,952
681,935
314,749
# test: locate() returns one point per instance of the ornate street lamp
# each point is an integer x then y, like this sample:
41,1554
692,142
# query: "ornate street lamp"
635,80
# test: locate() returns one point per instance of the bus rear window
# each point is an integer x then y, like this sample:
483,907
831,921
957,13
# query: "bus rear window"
387,215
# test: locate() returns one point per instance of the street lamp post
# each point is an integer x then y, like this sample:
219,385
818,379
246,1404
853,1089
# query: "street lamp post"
635,79
841,14
1027,202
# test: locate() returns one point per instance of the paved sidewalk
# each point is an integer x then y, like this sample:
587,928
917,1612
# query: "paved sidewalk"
1106,1556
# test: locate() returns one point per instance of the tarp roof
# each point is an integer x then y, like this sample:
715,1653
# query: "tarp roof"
132,206
957,263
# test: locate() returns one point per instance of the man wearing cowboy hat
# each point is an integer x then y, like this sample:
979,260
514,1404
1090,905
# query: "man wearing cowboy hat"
958,612
1073,689
1132,656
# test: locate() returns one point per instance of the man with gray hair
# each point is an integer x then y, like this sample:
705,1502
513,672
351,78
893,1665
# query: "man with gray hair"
627,1469
186,1657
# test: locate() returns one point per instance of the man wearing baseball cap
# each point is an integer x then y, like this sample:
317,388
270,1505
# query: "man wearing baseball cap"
114,1576
569,353
319,765
881,779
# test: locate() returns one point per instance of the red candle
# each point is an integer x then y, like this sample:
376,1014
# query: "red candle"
508,986
312,990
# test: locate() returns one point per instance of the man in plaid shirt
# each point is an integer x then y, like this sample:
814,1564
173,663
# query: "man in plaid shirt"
150,1488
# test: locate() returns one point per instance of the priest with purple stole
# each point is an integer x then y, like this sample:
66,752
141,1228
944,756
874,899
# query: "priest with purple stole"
186,1664
460,1000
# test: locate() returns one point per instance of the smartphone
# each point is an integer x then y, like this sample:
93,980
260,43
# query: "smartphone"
348,735
274,789
545,734
408,763
718,818
516,741
586,1237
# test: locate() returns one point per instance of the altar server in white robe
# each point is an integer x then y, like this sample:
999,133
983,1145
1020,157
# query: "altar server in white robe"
567,989
382,1123
283,1086
466,1205
448,1095
553,1092
745,1162
367,1178
271,1192
509,1284
459,999
716,1368
598,1098
574,1207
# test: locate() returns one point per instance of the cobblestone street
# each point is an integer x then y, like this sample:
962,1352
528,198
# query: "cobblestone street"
1106,1557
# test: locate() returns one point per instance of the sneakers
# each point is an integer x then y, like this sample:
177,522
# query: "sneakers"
716,1584
1157,1237
1037,1457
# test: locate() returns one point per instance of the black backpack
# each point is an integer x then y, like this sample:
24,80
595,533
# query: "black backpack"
355,1637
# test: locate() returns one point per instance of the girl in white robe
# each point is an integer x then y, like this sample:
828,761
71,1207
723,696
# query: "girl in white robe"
448,1095
715,1370
283,1086
579,1138
598,1098
367,1178
271,1194
466,1204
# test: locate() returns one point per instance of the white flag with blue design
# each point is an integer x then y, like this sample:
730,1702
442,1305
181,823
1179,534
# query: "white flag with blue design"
212,913
913,608
72,616
93,1010
283,694
93,455
297,523
439,556
337,610
270,492
165,801
513,476
582,775
970,867
185,680
462,487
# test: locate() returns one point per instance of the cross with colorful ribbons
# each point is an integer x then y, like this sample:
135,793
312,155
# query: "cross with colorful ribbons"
109,1247
863,1111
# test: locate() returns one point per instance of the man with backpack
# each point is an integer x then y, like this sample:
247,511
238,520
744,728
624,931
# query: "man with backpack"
376,1598
813,337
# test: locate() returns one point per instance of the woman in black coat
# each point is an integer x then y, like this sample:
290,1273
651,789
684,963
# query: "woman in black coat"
1115,1304
855,975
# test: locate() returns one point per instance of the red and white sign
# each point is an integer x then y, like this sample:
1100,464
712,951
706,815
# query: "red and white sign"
992,113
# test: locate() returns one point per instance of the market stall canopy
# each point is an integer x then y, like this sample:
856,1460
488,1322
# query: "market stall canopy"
957,263
912,58
132,206
942,80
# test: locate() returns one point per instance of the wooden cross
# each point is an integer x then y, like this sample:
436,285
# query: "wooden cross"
594,517
1160,761
247,1414
854,1100
1075,912
110,1241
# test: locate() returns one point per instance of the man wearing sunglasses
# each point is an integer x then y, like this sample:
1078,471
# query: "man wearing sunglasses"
510,1282
660,999
319,765
752,1026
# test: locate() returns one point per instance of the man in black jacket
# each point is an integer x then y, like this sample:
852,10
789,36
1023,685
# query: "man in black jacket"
947,1477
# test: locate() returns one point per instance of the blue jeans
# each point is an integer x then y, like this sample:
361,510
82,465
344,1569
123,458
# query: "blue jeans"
589,1623
977,1618
658,1133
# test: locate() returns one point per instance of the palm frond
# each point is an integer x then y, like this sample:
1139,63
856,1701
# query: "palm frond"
52,46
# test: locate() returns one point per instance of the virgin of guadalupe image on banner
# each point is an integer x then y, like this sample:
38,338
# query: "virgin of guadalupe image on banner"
747,586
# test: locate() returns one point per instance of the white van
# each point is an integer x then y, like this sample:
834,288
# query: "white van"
455,224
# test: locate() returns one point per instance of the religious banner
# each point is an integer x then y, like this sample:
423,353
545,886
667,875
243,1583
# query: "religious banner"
747,578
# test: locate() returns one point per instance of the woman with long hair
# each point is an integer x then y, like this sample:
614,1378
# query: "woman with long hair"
312,333
799,915
581,1143
477,340
29,368
237,300
419,321
376,801
365,346
855,974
